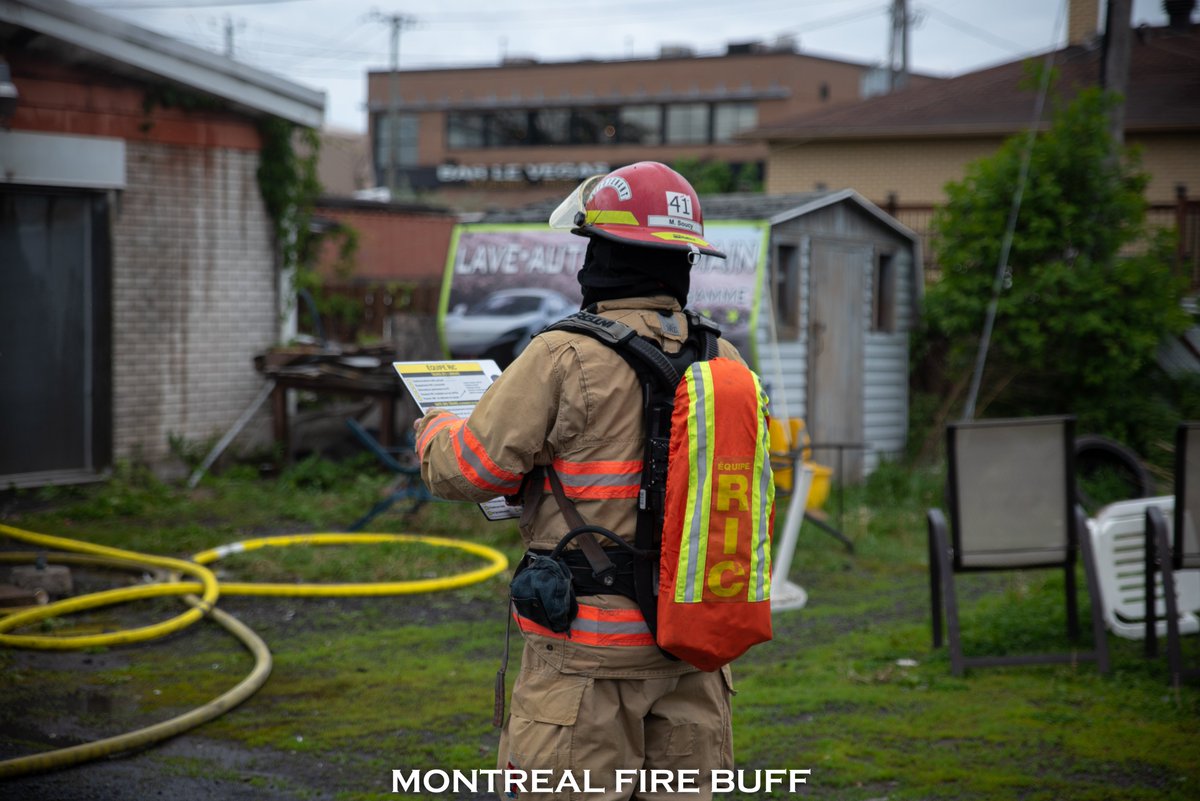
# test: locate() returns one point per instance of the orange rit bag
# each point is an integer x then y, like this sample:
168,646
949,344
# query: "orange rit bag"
714,599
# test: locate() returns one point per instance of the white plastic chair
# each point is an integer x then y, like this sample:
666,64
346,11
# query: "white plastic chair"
1118,535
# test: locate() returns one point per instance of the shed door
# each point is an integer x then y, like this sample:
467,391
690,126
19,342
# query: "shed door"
54,405
835,362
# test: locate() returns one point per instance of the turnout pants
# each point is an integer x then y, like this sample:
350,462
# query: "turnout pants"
591,727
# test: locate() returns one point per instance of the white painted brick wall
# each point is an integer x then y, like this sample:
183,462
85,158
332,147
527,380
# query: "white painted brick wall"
194,295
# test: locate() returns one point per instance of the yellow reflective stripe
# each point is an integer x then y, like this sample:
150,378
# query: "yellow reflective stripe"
611,217
764,498
693,548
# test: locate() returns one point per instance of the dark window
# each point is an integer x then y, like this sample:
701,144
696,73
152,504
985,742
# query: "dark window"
551,126
785,296
823,91
465,130
883,317
733,118
404,146
594,126
687,123
508,128
640,125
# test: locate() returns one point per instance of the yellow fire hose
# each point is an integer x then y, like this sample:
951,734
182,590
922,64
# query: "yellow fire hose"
497,563
140,738
78,552
206,602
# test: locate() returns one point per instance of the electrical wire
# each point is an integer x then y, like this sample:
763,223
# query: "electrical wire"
1002,269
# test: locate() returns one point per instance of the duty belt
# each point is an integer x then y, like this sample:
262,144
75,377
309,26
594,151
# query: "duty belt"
584,579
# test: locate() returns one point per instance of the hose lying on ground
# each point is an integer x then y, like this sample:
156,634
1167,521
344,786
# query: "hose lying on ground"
140,738
207,600
497,563
78,552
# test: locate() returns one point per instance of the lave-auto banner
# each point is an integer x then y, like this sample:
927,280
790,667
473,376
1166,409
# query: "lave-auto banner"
505,282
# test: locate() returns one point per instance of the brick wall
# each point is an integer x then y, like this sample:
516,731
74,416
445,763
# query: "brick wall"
194,295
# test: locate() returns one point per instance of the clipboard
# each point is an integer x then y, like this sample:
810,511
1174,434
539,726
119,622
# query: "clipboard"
455,386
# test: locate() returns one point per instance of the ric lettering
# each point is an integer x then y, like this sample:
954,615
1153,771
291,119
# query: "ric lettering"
732,488
732,498
716,579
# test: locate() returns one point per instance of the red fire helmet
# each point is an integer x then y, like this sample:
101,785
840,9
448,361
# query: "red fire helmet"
646,204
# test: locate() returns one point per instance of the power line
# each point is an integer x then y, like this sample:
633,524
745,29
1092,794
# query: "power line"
979,33
1003,275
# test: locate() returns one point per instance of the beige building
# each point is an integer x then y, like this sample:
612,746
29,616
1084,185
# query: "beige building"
900,150
497,137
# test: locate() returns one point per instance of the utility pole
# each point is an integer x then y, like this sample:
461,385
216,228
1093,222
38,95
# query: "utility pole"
898,46
230,27
1114,68
398,22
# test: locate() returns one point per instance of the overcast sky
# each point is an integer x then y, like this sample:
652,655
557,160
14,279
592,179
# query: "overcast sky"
331,44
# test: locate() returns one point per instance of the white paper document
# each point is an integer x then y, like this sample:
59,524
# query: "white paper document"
455,386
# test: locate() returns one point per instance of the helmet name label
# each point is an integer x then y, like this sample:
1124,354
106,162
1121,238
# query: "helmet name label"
656,221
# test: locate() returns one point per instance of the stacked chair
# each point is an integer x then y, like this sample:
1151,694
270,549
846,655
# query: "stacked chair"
1169,550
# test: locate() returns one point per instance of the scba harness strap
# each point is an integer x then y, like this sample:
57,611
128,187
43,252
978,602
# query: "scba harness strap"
659,373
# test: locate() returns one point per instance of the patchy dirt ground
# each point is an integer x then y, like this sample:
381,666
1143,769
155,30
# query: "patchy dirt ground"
197,766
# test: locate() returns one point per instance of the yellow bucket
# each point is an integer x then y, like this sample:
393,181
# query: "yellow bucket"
782,461
781,444
818,493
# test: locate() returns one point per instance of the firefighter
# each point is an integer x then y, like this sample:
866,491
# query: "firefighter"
602,696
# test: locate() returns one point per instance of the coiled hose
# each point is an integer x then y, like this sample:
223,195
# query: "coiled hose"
78,552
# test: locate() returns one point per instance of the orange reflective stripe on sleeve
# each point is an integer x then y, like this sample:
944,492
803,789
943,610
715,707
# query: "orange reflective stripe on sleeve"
599,480
596,626
435,425
478,468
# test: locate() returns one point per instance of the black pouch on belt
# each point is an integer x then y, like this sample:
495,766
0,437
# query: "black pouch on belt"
542,591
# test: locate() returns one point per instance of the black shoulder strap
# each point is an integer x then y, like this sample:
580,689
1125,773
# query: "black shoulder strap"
667,369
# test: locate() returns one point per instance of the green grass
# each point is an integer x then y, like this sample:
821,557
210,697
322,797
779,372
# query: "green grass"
849,687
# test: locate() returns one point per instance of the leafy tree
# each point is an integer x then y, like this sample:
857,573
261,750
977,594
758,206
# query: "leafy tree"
710,177
1088,297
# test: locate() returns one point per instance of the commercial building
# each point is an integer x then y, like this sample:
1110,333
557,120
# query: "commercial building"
502,136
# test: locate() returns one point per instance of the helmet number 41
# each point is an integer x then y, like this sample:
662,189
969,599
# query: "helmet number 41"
680,204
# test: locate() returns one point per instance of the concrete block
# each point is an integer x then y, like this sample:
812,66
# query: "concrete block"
13,596
53,579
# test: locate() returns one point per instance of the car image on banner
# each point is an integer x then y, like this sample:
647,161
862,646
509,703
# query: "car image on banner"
501,324
506,282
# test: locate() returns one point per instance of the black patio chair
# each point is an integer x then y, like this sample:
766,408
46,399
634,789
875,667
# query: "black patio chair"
1170,554
407,486
1010,493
